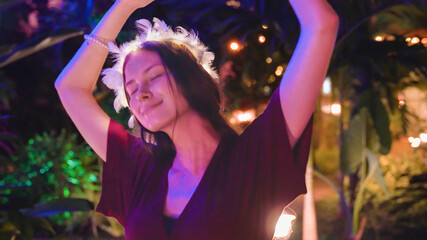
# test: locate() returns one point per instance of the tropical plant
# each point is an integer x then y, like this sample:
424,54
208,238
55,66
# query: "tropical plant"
51,176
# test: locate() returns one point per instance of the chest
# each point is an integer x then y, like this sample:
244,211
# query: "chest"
181,187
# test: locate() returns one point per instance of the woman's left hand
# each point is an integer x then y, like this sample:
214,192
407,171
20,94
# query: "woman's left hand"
314,14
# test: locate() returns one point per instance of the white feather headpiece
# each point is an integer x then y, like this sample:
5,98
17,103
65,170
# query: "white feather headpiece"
157,32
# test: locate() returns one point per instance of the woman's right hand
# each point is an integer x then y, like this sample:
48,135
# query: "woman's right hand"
134,4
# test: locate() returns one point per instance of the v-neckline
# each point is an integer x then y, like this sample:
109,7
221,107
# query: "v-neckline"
196,191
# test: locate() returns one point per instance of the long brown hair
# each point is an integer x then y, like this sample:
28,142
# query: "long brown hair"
200,90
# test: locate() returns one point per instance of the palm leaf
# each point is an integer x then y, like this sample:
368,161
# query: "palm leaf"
39,43
56,206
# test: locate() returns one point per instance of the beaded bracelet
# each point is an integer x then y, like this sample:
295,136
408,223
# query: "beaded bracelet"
95,40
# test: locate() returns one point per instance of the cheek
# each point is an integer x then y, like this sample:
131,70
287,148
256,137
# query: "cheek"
133,103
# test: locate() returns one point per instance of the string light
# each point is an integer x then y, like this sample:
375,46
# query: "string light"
264,26
261,38
424,41
268,60
336,109
327,86
408,39
379,38
239,116
233,3
234,46
415,40
279,71
416,143
267,90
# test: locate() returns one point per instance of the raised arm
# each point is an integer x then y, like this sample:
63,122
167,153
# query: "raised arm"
76,82
303,78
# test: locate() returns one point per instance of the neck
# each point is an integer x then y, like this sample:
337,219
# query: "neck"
195,141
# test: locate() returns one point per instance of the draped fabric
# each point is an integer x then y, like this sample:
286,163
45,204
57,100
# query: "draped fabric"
248,182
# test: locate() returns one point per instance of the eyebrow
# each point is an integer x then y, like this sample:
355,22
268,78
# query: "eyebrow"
148,69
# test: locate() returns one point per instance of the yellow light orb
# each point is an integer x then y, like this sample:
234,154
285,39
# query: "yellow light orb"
268,60
423,137
261,38
415,40
416,143
336,109
379,38
234,46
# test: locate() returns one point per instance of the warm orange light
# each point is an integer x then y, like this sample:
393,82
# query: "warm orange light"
264,26
390,38
401,103
268,60
279,71
424,41
234,46
415,40
408,39
284,226
261,38
239,116
379,38
336,109
423,137
416,143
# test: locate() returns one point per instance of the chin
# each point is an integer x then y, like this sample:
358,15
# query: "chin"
156,126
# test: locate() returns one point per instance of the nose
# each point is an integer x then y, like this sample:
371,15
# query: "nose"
144,93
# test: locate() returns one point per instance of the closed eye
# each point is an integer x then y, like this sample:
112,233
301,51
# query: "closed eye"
132,90
157,76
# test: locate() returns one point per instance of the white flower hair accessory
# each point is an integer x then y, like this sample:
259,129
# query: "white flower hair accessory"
157,32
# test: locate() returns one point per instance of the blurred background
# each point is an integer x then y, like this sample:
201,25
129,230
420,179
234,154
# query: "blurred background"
367,174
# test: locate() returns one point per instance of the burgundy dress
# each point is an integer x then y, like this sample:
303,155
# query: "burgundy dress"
241,195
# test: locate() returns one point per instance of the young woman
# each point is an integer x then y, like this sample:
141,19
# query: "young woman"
189,176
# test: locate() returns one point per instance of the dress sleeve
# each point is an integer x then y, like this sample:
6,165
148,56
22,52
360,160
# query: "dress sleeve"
277,170
119,172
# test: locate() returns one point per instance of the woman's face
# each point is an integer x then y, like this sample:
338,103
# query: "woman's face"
154,102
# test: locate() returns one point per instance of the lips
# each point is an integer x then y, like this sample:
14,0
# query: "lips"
148,108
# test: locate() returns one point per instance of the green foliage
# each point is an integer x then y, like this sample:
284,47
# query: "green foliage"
329,223
371,100
359,153
327,160
402,216
55,165
49,167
